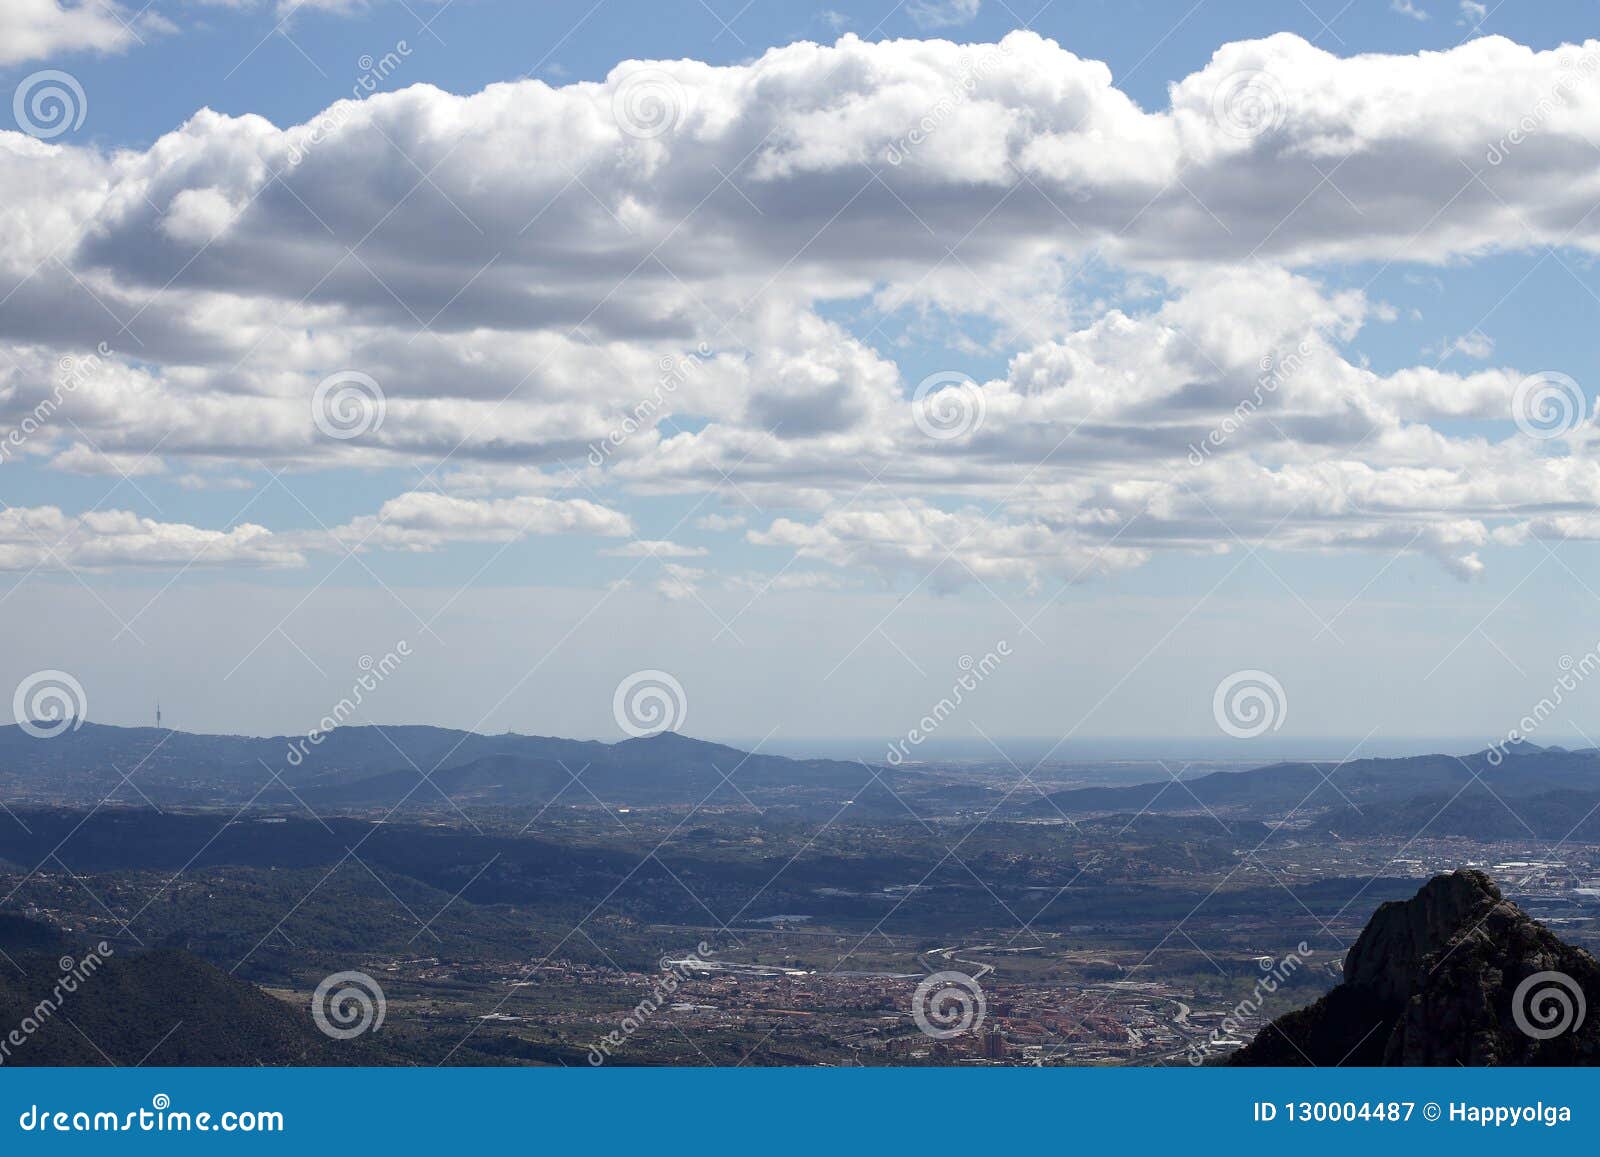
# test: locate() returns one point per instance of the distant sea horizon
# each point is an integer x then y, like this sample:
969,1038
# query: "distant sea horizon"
1018,749
1146,749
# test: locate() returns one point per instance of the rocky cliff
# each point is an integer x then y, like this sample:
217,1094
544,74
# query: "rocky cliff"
1456,975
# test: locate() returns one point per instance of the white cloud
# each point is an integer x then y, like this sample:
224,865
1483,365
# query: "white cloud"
43,537
720,523
677,582
36,29
82,459
954,548
634,335
423,521
803,580
213,482
815,123
1476,345
655,548
942,13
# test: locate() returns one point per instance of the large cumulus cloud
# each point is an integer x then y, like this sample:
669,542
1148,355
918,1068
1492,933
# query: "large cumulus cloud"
639,283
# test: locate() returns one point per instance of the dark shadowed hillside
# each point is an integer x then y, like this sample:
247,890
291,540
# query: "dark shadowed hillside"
1455,975
162,1007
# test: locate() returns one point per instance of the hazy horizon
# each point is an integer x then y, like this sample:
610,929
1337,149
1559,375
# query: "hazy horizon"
1001,747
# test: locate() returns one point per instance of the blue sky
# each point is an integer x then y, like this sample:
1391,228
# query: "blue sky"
1094,262
241,59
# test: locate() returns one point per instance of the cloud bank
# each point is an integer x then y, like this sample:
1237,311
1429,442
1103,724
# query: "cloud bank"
685,278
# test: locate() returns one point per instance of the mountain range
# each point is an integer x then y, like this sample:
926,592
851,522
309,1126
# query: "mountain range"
1508,793
381,767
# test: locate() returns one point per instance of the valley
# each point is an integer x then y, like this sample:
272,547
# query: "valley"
511,923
